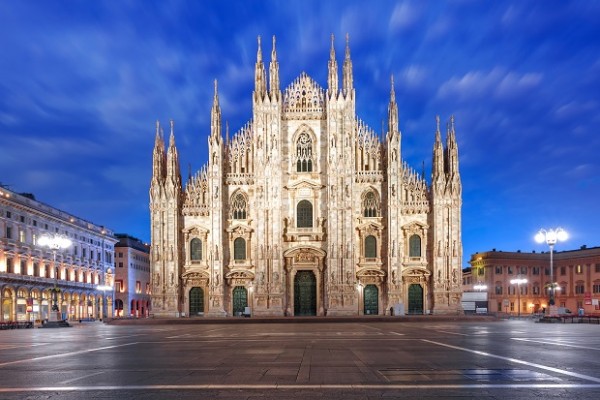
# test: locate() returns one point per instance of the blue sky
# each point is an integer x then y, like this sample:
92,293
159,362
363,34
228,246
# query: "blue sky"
83,82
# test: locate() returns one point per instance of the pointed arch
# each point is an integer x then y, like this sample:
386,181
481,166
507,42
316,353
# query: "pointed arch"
239,205
304,153
371,204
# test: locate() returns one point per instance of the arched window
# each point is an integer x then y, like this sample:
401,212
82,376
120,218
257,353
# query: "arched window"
196,249
239,207
370,247
370,205
304,214
239,249
304,153
414,244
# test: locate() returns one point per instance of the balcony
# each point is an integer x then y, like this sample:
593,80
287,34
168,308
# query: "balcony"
47,282
293,234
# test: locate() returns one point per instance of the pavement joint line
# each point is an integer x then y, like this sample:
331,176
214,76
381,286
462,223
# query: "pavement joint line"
61,355
454,333
126,336
517,361
279,386
80,377
555,343
271,339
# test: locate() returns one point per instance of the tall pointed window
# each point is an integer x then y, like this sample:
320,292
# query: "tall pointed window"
196,249
414,244
370,247
370,205
304,153
239,207
304,214
239,249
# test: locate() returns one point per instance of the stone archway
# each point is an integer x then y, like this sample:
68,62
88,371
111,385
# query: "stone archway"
416,289
304,284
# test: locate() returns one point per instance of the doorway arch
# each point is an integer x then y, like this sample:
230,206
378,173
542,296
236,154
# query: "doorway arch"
196,301
415,299
305,294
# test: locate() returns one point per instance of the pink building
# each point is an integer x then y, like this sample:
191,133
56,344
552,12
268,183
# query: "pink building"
576,273
132,277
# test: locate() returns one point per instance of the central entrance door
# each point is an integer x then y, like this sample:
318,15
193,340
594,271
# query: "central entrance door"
196,301
415,299
305,293
371,294
240,300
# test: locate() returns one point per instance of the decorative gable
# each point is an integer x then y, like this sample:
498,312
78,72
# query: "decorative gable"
304,99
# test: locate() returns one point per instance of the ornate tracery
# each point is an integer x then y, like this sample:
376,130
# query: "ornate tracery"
304,153
370,205
239,206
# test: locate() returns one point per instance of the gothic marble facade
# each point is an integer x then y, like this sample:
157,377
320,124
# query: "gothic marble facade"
305,211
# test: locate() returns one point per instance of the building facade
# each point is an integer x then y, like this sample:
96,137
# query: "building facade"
576,273
132,277
29,271
305,211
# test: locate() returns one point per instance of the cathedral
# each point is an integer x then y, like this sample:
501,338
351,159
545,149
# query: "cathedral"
305,211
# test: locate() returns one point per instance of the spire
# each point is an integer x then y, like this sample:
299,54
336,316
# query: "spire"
260,77
438,154
348,85
392,110
332,67
452,150
172,135
173,171
158,157
215,116
274,73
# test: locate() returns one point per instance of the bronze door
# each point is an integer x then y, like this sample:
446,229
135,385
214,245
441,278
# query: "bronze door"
415,299
371,295
305,293
196,301
240,300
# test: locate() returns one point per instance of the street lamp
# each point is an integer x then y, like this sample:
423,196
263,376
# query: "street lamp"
551,236
55,243
104,288
518,282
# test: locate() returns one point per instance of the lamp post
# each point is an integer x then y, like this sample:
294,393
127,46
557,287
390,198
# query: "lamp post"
104,288
551,236
55,243
518,282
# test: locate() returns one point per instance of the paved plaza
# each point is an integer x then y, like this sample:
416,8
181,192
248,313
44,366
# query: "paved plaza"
365,359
